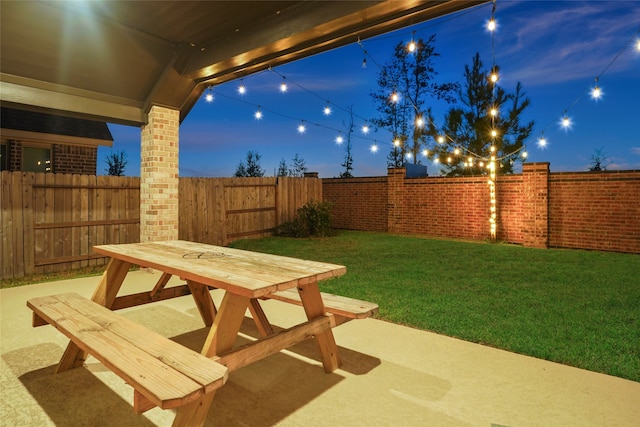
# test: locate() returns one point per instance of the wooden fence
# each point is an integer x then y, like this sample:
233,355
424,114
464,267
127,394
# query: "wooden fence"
50,222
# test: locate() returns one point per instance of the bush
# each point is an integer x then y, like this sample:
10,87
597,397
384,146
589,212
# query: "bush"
312,219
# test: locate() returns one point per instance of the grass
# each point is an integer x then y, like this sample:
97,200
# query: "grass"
579,308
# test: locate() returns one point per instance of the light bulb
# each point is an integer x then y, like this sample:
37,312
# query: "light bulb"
339,139
408,155
425,153
491,25
302,128
258,114
494,133
209,96
542,142
441,139
283,87
374,148
524,154
456,151
411,47
493,111
365,129
493,77
327,110
396,142
565,122
419,122
596,93
395,97
241,89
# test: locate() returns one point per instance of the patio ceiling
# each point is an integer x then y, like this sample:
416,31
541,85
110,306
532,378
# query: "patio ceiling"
112,60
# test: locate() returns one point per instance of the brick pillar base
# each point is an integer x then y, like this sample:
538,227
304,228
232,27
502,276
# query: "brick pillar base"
536,207
159,176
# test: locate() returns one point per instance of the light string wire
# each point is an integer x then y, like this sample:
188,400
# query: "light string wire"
633,39
289,117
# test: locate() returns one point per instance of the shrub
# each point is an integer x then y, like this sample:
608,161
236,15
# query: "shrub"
312,219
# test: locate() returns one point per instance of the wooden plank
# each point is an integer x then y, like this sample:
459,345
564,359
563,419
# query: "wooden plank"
39,237
18,225
263,347
72,224
132,300
67,234
165,372
28,179
85,247
336,304
219,220
49,216
76,213
224,331
203,300
260,318
247,273
6,195
314,307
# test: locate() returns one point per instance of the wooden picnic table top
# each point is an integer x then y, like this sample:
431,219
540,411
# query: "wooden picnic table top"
245,273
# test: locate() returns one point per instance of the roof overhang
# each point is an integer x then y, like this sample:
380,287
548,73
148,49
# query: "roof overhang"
112,61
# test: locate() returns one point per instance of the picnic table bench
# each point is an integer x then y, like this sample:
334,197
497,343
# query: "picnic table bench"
164,373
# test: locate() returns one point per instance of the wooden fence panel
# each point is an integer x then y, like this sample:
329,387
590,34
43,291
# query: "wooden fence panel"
50,222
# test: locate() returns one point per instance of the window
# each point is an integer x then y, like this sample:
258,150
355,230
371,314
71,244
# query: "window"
35,159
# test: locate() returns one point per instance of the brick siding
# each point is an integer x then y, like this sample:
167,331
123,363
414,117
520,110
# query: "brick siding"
75,159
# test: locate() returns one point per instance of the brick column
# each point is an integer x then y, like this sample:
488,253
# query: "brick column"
159,175
535,177
395,190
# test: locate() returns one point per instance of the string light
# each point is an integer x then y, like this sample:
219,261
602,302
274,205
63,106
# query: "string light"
565,122
302,128
492,25
395,97
419,122
374,148
396,142
209,96
339,139
242,89
411,46
365,129
283,86
258,114
327,110
542,142
596,93
425,152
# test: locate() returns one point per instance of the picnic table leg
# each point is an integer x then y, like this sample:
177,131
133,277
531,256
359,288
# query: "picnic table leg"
203,300
314,307
221,337
104,294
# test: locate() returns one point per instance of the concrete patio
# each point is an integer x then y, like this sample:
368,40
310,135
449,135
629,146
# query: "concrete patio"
391,376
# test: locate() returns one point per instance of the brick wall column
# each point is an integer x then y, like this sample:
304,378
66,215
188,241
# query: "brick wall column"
159,175
395,194
535,177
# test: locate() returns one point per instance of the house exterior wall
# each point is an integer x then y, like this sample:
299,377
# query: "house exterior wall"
75,159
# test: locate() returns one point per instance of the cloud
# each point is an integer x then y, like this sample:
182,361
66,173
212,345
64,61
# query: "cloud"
546,50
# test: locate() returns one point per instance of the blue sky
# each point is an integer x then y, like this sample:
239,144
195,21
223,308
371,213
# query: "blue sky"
556,49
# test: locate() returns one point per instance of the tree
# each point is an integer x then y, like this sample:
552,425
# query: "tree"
282,168
116,162
298,167
599,160
405,84
468,128
252,166
348,158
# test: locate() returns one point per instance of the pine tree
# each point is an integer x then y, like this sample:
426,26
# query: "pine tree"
468,128
252,166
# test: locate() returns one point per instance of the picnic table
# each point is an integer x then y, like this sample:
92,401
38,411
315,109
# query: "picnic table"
245,277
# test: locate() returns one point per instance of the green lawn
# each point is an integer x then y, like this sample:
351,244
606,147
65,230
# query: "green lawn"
580,308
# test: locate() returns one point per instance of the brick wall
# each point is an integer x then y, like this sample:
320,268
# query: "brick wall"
595,210
589,210
357,203
75,159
